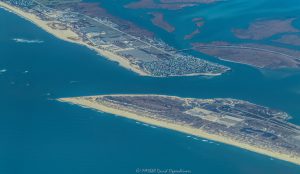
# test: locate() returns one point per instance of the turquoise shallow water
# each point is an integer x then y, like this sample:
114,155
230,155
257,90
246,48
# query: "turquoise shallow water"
38,135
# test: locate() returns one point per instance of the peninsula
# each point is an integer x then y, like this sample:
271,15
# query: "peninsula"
118,40
257,55
234,122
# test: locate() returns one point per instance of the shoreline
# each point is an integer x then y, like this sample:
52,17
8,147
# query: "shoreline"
177,127
66,35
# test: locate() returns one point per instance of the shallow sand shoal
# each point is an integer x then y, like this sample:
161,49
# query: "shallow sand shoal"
181,128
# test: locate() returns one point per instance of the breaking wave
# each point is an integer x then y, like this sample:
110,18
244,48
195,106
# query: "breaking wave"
20,40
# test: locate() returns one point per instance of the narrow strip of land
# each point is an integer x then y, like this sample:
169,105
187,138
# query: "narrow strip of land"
234,122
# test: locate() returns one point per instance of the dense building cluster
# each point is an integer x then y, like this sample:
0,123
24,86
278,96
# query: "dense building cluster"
237,120
145,54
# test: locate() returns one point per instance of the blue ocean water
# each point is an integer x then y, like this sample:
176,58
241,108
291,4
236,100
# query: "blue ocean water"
40,135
